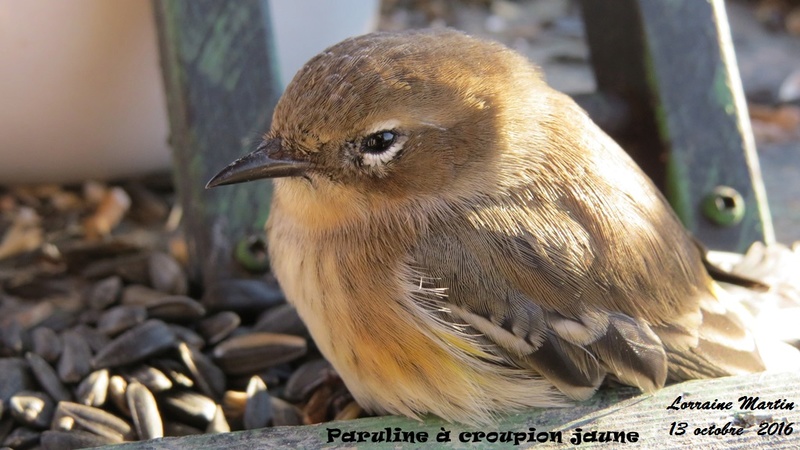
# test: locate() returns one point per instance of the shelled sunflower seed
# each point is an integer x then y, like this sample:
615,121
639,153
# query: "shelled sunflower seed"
103,342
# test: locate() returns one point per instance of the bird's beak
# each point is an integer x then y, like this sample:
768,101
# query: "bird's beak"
268,161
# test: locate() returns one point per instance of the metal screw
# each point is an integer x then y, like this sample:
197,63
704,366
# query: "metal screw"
251,253
724,206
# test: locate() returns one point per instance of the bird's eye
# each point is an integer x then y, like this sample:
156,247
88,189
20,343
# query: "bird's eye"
381,147
379,142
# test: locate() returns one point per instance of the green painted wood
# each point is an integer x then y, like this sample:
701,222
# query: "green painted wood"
609,410
673,62
221,87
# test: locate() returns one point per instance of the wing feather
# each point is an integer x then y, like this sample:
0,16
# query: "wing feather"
573,294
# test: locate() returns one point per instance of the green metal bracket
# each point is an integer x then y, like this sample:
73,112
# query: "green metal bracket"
221,87
673,64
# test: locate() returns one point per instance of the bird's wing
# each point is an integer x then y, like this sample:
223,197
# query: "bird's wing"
576,293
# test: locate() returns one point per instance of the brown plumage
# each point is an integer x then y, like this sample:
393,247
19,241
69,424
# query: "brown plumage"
461,239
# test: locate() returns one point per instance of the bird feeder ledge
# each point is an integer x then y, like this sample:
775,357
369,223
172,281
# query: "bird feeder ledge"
646,418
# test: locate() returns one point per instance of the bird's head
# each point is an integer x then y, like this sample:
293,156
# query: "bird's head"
394,115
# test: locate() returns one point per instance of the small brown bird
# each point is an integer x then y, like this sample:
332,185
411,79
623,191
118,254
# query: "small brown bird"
462,239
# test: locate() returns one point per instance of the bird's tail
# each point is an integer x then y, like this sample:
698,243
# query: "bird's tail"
775,312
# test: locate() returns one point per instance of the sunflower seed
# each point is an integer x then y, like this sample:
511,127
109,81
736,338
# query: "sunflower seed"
189,407
152,378
233,405
176,372
219,326
21,437
138,294
34,314
60,320
74,363
284,413
95,420
120,318
341,397
46,343
144,411
80,254
62,422
281,319
174,429
6,425
241,295
14,377
218,423
47,377
306,379
276,375
93,390
254,352
176,308
92,336
136,344
166,275
12,339
258,409
146,207
104,293
117,386
316,410
40,285
188,336
208,377
351,411
69,440
34,409
130,268
90,317
108,214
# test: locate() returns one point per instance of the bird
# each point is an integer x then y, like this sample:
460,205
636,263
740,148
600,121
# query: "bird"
462,240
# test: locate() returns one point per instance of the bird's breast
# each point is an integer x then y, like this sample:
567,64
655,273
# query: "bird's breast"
357,311
358,302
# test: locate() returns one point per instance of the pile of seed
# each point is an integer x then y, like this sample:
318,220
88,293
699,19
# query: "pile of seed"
100,343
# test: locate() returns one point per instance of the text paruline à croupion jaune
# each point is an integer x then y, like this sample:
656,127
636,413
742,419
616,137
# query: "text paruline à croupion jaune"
581,435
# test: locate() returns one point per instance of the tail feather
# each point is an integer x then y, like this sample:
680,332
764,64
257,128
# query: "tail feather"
633,353
722,344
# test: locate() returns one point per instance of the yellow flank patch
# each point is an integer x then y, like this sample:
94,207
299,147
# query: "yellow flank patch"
462,344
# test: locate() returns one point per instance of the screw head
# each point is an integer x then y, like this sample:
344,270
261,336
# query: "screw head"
724,206
251,253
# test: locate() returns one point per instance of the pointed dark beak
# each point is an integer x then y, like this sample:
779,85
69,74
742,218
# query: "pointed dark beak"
268,161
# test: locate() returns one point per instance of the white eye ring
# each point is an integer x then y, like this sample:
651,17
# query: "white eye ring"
377,159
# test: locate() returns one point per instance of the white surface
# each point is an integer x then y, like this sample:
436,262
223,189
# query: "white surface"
304,28
81,94
80,91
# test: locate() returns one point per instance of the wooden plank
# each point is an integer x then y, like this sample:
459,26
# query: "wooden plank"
673,62
611,410
221,88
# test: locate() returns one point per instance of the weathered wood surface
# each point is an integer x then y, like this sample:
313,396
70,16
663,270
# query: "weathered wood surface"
673,63
221,88
610,410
